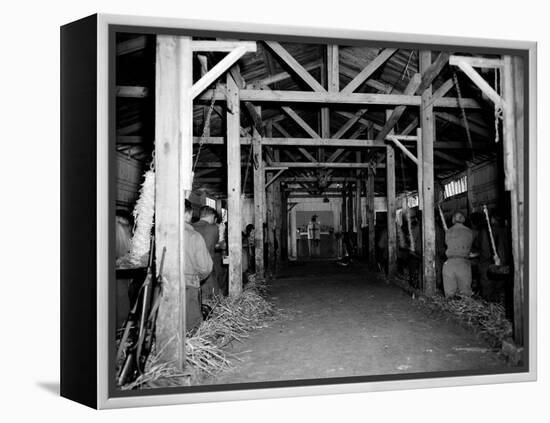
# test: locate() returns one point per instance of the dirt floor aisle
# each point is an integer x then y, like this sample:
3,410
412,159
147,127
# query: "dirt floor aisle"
349,322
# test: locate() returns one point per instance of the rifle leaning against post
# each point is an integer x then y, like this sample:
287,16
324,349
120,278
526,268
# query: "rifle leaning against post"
131,342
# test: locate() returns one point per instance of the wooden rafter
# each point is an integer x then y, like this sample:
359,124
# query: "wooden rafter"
127,91
295,66
285,133
369,70
449,158
249,106
281,76
274,177
302,123
131,46
220,67
348,125
475,128
440,92
404,149
479,81
396,114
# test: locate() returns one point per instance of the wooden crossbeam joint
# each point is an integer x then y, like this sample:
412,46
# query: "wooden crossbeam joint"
220,67
404,149
295,66
480,82
223,46
281,170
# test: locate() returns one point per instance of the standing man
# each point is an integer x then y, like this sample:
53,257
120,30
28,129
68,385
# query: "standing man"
313,236
198,265
457,273
209,231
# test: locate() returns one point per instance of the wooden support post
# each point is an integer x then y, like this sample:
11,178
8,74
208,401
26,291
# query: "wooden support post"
427,125
349,212
259,205
272,198
173,125
234,187
293,247
371,218
420,169
344,218
331,77
277,221
270,226
521,322
513,132
284,225
358,208
390,197
391,205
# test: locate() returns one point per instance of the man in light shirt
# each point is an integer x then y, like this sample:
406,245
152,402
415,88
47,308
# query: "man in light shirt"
314,236
457,272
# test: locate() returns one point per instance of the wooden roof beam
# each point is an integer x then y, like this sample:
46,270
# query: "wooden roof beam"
414,87
131,46
277,96
369,70
349,142
283,76
411,88
324,165
285,56
303,124
480,130
222,45
250,108
450,159
218,69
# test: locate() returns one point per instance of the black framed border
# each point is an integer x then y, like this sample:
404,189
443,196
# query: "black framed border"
88,377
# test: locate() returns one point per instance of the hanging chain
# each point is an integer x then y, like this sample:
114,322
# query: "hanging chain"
206,126
463,113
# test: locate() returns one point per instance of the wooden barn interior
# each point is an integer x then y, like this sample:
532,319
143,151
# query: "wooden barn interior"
371,139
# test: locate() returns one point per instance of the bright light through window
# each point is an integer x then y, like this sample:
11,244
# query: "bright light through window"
458,186
210,202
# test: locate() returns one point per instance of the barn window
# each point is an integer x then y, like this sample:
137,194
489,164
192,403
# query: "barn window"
457,186
210,202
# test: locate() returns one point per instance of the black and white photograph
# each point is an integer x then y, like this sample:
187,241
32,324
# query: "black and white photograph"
299,210
235,211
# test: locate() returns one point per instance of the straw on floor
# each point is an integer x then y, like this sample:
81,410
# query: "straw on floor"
232,319
487,318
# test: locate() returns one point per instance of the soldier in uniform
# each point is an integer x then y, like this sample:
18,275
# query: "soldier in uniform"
457,273
198,265
209,231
